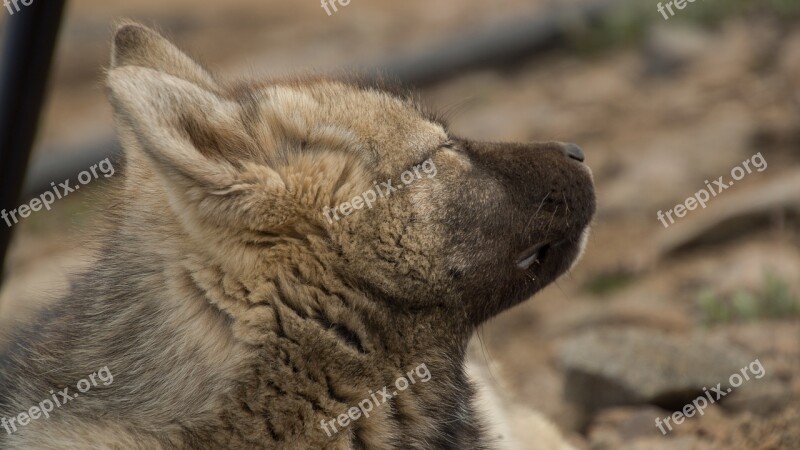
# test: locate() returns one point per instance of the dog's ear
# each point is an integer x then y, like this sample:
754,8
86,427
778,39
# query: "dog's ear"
195,141
190,133
172,115
170,105
137,45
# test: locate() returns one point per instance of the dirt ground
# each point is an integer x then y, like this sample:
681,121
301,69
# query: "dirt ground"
660,113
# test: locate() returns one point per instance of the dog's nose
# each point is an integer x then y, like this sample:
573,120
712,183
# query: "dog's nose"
574,152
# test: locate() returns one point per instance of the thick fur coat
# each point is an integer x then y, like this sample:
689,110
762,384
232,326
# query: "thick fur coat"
243,300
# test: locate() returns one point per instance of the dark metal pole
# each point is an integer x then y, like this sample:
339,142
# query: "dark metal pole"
24,69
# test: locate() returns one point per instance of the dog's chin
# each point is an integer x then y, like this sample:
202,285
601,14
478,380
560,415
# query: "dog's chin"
582,241
573,252
542,264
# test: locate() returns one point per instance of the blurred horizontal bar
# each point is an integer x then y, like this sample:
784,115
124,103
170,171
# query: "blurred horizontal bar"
502,44
67,161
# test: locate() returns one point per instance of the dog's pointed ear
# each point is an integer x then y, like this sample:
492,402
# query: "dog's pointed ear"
137,45
190,133
171,114
170,105
197,144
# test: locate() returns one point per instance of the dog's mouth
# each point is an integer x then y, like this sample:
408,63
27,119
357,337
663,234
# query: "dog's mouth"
539,265
547,260
536,254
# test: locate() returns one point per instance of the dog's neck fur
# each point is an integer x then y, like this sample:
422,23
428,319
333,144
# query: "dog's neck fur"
294,314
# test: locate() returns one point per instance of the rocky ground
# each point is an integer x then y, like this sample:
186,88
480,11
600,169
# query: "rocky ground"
652,315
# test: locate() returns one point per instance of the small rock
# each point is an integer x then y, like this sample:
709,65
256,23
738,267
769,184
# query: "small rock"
619,313
738,214
762,399
632,428
631,367
668,49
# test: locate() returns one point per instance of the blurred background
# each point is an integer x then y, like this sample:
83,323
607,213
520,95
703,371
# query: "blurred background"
652,315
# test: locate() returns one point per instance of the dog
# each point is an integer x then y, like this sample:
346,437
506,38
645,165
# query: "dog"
289,264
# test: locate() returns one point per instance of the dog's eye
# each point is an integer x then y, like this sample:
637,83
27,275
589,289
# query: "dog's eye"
450,144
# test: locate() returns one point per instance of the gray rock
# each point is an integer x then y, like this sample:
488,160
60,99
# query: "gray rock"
738,214
632,428
762,399
632,367
669,48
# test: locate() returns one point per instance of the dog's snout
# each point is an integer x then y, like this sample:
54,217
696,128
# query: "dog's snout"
574,152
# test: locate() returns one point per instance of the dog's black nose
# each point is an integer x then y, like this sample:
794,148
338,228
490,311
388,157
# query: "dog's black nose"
574,152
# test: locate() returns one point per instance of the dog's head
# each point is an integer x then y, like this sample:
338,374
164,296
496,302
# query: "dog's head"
378,191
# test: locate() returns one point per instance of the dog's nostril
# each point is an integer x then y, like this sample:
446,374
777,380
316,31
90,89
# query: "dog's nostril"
574,152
